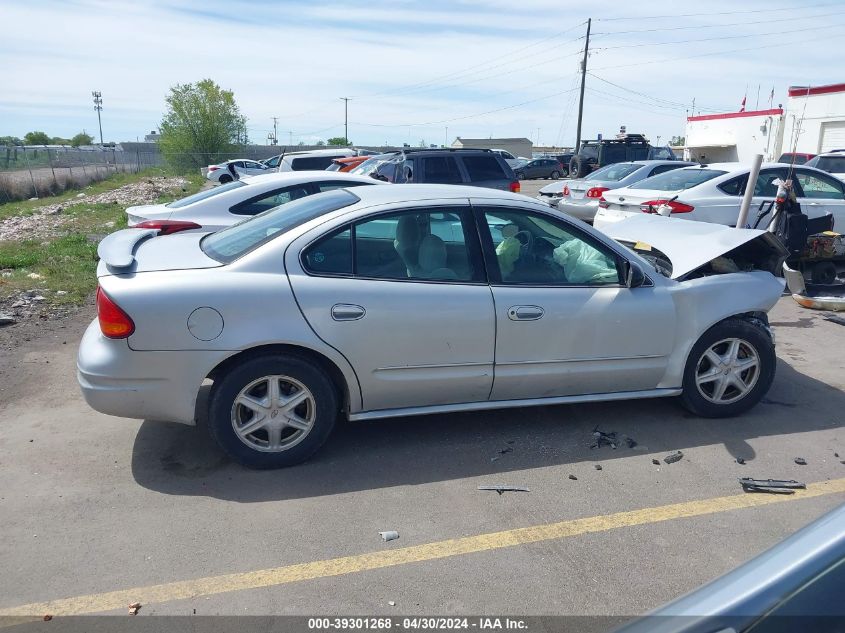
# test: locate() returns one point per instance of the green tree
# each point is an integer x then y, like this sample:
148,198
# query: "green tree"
320,143
339,141
10,140
58,140
82,139
202,124
36,138
678,141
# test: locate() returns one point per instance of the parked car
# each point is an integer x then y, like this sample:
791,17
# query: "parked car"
794,158
713,193
228,204
580,197
599,153
539,168
510,159
347,164
308,160
222,172
372,163
479,167
794,586
406,300
831,162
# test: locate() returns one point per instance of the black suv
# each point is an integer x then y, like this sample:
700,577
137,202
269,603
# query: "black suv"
624,148
478,167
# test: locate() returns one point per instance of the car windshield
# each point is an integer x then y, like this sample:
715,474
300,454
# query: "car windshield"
678,179
371,164
615,172
832,164
237,240
204,195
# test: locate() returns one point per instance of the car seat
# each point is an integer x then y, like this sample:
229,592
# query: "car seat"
407,242
432,259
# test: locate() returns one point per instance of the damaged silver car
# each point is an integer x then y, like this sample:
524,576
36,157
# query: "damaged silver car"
377,302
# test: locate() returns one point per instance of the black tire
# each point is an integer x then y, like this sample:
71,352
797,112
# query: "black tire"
224,179
227,387
750,334
519,175
823,273
555,175
578,167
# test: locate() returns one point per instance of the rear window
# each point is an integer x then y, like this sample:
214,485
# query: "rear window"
233,242
678,179
615,172
203,195
832,164
483,168
311,162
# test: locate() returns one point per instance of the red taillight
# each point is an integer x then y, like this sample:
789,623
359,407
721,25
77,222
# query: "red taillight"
595,192
566,190
167,227
114,322
213,168
675,206
515,186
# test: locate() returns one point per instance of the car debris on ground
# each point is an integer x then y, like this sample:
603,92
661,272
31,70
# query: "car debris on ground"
656,462
772,486
389,535
674,457
597,466
134,608
834,319
800,461
573,477
501,488
740,461
5,319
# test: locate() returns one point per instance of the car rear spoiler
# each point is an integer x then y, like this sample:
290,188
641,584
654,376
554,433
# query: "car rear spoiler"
117,250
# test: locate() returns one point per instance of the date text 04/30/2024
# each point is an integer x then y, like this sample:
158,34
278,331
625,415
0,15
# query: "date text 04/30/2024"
417,623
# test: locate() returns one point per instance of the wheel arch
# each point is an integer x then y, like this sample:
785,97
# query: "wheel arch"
757,318
346,393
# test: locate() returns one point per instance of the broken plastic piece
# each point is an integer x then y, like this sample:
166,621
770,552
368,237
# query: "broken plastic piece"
389,535
47,617
573,477
597,466
740,461
800,461
674,457
134,608
391,603
773,486
656,462
500,488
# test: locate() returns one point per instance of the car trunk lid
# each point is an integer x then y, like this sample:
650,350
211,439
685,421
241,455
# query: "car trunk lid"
142,250
698,248
631,199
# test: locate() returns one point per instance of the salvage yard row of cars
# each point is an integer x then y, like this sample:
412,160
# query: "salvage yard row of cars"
305,295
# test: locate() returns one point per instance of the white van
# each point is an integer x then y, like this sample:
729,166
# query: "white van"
317,159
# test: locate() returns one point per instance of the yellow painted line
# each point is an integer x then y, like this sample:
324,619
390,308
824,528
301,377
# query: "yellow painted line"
414,554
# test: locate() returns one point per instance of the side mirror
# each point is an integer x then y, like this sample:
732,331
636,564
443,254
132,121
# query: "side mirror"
634,275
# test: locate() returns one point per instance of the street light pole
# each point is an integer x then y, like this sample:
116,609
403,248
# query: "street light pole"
583,78
346,118
98,106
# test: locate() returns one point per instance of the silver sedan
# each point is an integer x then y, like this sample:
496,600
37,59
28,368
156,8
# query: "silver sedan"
403,300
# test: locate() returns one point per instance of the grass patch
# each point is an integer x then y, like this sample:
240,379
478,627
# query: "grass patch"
69,262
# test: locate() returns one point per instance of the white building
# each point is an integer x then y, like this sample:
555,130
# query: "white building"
816,114
820,110
516,146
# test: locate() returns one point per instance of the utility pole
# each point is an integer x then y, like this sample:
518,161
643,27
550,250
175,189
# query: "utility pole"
346,118
98,106
583,78
275,130
290,137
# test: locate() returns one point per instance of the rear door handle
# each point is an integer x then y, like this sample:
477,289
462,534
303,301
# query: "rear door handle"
347,312
525,313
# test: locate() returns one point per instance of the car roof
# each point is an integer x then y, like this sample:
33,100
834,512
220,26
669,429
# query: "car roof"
294,177
662,161
409,192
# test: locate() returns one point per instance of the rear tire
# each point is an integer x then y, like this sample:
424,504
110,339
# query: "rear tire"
519,175
224,179
555,175
823,273
728,370
251,421
578,167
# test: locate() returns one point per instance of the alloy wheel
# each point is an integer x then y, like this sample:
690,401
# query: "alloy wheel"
273,413
727,371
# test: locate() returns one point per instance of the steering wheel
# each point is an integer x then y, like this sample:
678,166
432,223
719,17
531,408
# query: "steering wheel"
526,241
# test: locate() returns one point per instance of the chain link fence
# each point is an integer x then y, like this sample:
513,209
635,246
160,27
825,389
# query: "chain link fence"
32,171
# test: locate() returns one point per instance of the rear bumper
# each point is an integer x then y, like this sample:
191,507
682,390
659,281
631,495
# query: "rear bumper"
117,380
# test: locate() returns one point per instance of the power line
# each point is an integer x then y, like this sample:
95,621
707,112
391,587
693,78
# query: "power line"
715,26
692,15
643,94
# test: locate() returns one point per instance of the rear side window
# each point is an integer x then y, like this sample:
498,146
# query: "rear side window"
332,255
483,168
734,186
661,169
440,169
678,179
311,162
833,164
267,201
233,242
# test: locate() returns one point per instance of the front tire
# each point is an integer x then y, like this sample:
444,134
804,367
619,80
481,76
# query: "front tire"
728,370
555,175
224,179
272,411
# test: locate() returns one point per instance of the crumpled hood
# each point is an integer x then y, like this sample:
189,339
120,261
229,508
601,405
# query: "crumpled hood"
691,246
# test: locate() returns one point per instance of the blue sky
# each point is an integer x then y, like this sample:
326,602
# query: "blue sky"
415,70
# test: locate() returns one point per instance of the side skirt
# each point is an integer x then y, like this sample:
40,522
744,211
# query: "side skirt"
510,404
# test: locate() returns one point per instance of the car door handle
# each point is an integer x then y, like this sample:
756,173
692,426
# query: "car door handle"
347,312
525,313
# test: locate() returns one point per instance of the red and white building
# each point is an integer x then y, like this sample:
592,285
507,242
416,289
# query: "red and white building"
812,122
